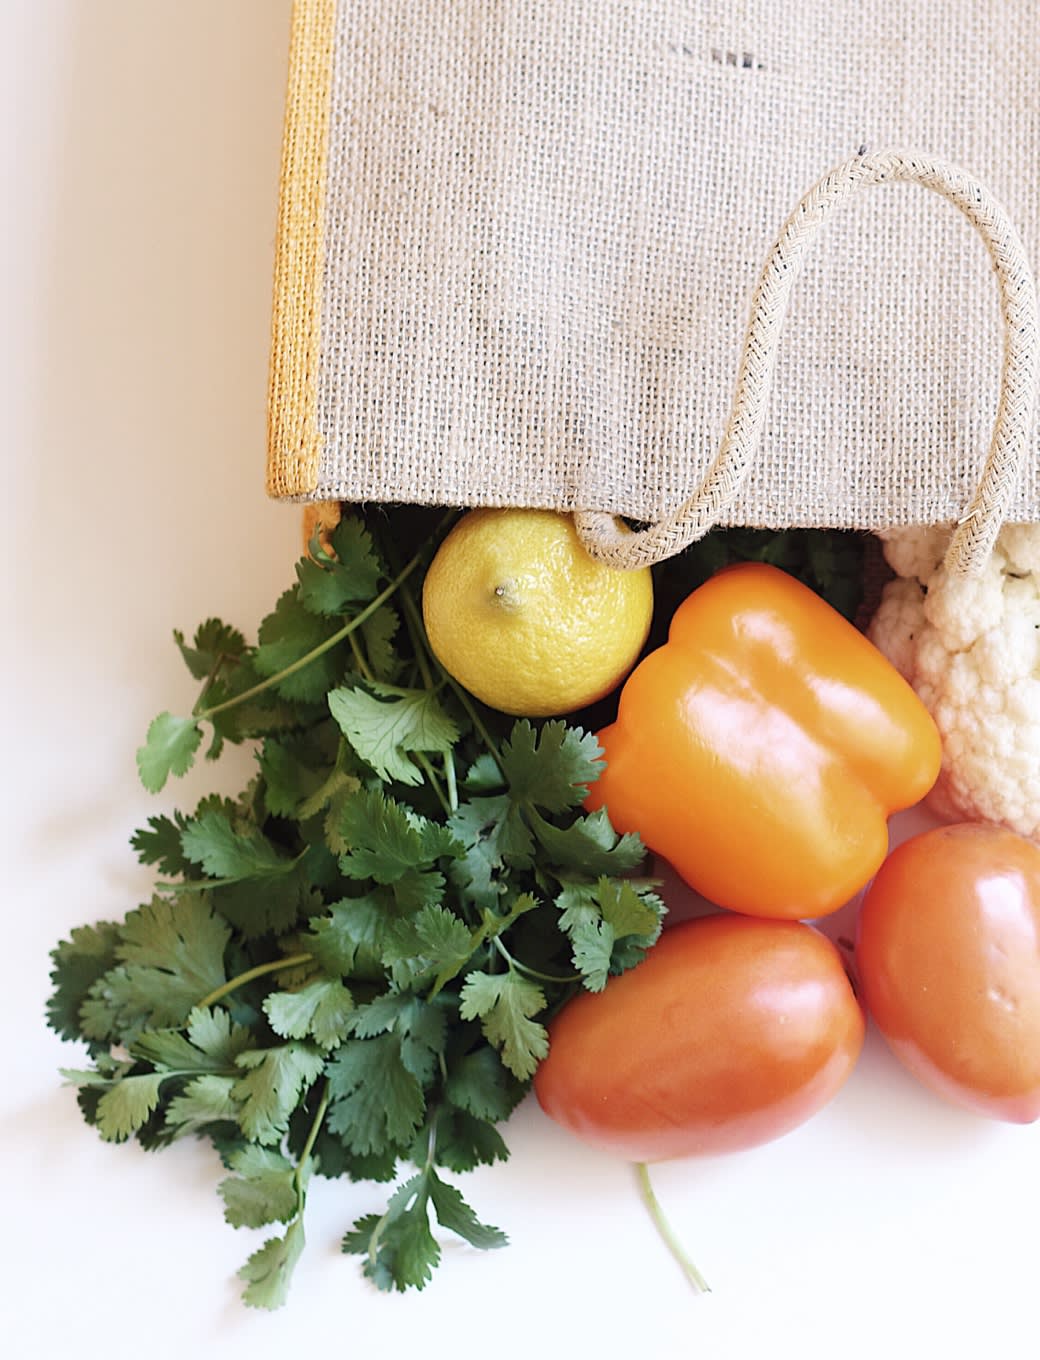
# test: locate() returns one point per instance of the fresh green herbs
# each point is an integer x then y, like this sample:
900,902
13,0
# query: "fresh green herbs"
348,969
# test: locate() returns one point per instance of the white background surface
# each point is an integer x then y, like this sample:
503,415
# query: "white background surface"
140,154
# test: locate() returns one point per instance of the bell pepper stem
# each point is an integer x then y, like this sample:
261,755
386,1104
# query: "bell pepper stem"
662,1225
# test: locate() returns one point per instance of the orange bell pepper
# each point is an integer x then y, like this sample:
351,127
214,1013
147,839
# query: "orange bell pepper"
762,749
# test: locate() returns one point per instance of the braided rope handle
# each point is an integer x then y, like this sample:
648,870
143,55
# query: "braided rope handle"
976,531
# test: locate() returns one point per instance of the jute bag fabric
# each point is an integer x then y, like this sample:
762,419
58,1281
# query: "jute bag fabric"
609,256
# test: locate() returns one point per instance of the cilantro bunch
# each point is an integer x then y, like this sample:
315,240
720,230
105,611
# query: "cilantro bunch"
347,970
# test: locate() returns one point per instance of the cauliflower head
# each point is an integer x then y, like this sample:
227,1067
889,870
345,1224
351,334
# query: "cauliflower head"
971,650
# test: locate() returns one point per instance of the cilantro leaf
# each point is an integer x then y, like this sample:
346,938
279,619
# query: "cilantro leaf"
170,1050
172,955
484,776
420,1025
288,781
258,906
127,1104
600,917
319,1010
328,583
465,1142
385,839
181,940
268,1272
590,845
434,940
378,632
334,838
160,844
226,853
348,940
237,710
212,1043
481,1085
550,767
206,1100
272,1087
333,792
213,1032
323,588
455,1214
214,644
374,1099
263,1190
395,846
400,1249
287,636
504,1004
495,839
79,962
105,1071
169,748
383,726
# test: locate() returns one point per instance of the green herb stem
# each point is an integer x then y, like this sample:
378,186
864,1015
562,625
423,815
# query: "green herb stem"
218,662
275,966
496,940
449,974
662,1225
206,884
488,925
420,642
420,1195
359,658
434,781
417,634
423,656
322,647
431,1141
479,726
174,1073
308,1147
452,782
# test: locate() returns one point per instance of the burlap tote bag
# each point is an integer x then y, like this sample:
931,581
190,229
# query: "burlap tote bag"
545,254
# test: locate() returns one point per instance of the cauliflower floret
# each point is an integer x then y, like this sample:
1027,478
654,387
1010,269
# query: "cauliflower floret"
971,650
899,622
962,610
1021,544
916,551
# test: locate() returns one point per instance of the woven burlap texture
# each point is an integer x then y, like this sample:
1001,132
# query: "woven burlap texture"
543,227
975,532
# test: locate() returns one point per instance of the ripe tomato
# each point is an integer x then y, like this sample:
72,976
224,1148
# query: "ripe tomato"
731,1032
948,954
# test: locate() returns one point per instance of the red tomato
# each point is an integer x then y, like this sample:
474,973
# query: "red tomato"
730,1033
948,954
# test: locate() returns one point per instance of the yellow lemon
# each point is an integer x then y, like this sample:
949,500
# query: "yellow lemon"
521,616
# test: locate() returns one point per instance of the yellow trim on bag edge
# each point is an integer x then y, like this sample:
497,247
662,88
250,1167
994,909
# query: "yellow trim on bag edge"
294,443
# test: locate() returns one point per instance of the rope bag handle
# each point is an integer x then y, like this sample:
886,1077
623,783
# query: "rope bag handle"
976,531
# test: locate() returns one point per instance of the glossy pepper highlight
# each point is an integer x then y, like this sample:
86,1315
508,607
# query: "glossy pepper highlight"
763,748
